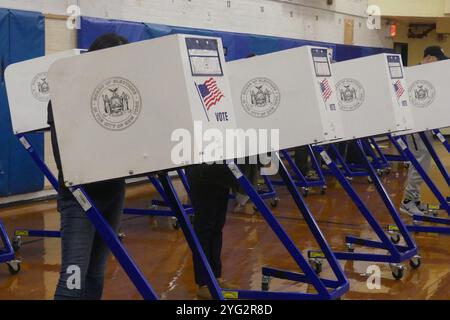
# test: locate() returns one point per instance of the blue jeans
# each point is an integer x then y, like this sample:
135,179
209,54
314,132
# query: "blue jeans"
84,253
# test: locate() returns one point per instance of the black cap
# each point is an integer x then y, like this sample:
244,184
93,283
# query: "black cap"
435,51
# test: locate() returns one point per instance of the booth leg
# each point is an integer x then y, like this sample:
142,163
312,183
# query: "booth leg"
434,189
402,229
20,233
347,171
435,157
401,157
444,204
442,139
299,179
381,158
395,255
312,224
114,244
7,252
310,275
318,168
190,235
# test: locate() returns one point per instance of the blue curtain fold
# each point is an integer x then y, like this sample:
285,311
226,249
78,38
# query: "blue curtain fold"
22,37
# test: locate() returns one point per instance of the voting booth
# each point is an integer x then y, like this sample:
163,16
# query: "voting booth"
372,99
115,118
291,91
28,95
429,95
29,91
428,88
111,102
373,96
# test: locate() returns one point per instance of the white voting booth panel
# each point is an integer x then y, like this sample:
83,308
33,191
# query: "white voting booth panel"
373,96
429,95
291,91
117,110
29,91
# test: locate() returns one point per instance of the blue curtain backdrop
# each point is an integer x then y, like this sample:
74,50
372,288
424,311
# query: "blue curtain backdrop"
22,37
237,45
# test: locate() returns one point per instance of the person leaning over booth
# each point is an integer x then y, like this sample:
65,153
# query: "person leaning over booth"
411,203
84,253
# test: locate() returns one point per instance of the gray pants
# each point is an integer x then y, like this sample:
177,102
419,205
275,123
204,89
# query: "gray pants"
84,253
414,180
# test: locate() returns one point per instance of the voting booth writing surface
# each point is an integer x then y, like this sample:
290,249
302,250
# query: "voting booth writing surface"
29,91
429,95
290,91
373,97
116,110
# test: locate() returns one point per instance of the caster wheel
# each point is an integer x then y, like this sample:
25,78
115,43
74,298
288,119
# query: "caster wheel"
434,213
415,262
323,190
369,180
316,265
176,224
13,267
350,248
398,271
265,283
349,178
380,173
121,236
305,192
388,171
406,165
395,238
255,209
274,202
17,243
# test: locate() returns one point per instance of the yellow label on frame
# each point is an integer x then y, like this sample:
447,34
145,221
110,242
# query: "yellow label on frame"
316,254
231,295
393,228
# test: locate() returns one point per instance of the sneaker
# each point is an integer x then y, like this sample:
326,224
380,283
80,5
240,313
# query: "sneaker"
411,208
422,206
203,293
225,284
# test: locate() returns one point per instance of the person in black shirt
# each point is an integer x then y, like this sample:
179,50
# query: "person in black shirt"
84,253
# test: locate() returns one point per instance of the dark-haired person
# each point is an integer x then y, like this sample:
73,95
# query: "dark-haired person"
84,254
411,203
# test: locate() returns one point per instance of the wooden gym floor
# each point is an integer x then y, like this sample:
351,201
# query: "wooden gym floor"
249,244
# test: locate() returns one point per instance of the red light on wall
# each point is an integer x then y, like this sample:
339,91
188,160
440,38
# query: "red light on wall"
393,30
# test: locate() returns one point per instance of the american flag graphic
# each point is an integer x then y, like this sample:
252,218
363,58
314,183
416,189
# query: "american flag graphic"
210,93
399,90
326,89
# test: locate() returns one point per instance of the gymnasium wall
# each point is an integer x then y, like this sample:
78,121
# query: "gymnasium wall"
343,22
